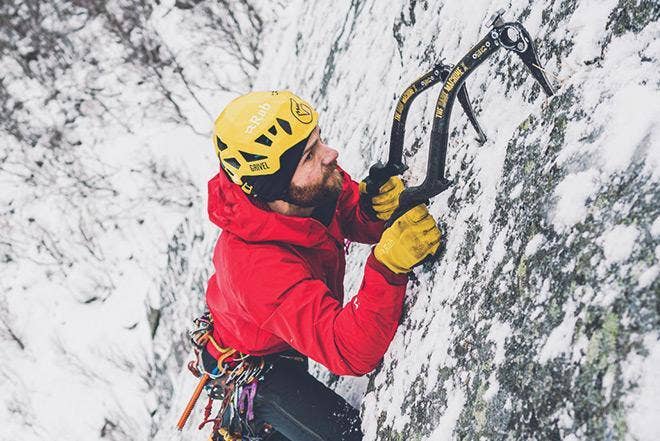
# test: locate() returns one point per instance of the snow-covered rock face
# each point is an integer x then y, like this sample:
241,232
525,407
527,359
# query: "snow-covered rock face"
538,321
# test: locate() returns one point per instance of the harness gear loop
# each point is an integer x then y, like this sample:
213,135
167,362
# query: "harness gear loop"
232,379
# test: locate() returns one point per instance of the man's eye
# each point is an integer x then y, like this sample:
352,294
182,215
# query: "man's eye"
308,157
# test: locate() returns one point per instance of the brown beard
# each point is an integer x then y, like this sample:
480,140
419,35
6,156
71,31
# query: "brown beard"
317,195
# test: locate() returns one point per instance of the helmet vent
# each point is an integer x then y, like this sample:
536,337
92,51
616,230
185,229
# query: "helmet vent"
273,130
285,125
250,157
233,162
263,139
221,145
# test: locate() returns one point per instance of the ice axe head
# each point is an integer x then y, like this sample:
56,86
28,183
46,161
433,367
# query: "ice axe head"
514,37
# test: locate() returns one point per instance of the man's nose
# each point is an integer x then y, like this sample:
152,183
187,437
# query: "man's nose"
330,156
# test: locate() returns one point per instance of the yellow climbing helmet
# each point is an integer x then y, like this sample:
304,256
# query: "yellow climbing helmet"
259,138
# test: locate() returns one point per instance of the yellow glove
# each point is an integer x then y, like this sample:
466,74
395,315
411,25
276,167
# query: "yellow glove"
387,199
411,238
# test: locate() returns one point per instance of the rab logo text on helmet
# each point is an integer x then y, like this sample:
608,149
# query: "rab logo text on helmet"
301,111
260,115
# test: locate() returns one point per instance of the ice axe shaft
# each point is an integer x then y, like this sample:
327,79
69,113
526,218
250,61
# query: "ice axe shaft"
379,173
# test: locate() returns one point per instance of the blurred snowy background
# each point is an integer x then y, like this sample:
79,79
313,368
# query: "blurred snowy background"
541,319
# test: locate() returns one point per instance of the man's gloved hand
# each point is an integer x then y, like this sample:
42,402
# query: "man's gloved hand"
409,240
387,199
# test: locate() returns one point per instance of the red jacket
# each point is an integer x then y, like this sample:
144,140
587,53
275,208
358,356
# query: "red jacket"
278,282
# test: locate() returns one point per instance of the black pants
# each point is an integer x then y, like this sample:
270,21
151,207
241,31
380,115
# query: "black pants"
301,408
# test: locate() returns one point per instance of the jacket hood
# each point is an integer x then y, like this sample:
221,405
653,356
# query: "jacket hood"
230,209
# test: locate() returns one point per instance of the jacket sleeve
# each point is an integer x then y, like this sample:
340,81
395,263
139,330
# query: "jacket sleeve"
348,340
355,222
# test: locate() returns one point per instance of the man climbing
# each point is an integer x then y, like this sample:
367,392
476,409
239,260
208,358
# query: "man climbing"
285,209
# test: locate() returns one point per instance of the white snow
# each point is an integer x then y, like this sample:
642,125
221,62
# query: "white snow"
648,276
589,22
498,333
493,387
618,243
655,227
534,244
517,191
559,340
449,417
633,126
607,293
498,251
643,374
572,194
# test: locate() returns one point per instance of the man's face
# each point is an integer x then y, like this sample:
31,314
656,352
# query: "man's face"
317,180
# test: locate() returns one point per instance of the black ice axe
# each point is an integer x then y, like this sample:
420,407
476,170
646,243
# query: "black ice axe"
511,36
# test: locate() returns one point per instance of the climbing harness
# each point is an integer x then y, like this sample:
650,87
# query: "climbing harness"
232,381
511,36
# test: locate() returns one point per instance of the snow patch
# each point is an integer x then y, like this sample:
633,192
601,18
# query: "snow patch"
572,194
643,373
517,191
588,22
655,227
456,400
648,276
497,334
635,119
580,348
618,243
498,252
607,294
534,244
559,340
493,387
